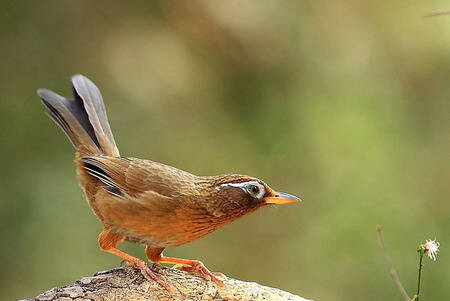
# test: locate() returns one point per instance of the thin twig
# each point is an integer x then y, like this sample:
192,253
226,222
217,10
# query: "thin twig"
437,13
392,271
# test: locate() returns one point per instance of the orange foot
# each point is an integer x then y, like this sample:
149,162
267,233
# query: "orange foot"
198,266
155,255
149,275
139,264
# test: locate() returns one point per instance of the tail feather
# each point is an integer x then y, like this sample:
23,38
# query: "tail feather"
83,119
68,115
85,90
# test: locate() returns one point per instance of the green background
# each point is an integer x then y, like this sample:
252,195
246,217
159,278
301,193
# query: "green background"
343,103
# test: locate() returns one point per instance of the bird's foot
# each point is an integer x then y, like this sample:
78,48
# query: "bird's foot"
197,266
150,275
218,274
156,266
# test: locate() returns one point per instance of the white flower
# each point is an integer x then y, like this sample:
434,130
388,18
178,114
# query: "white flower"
431,248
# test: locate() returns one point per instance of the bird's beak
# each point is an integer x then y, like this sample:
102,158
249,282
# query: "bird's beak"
281,198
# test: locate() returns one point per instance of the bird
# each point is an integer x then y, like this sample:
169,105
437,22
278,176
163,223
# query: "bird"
143,201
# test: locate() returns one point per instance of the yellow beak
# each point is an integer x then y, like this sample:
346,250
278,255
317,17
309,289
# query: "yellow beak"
281,198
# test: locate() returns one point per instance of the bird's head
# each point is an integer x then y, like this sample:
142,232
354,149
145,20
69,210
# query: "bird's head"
237,195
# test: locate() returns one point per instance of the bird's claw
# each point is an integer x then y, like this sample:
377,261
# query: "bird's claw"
199,267
156,267
149,275
220,275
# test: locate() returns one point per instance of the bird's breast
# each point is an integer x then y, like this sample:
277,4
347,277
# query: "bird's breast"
173,226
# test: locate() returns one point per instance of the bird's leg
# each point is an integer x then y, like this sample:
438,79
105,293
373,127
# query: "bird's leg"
155,255
108,241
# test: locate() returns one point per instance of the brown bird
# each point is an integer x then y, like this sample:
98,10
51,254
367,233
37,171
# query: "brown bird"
144,201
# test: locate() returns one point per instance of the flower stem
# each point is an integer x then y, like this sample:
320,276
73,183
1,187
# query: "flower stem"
420,274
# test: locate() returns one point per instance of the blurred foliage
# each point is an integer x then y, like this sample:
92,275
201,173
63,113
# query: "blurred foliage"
344,103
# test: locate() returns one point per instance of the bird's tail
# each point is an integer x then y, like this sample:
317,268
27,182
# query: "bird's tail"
83,119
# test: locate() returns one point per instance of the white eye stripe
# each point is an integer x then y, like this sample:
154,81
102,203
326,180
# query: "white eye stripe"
242,185
245,186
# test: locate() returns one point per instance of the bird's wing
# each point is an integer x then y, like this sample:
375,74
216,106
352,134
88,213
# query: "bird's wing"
111,171
137,178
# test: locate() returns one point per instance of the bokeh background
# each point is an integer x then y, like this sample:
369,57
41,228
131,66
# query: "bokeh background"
343,103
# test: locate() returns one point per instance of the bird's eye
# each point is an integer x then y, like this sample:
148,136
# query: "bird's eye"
256,190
